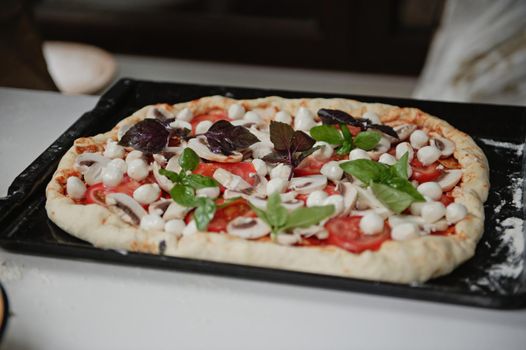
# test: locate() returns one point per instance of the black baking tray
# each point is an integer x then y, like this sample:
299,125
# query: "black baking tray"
482,281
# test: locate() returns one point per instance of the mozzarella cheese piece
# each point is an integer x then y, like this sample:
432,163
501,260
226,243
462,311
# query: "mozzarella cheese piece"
185,115
152,222
332,170
113,150
180,124
324,152
260,166
371,224
138,169
358,153
403,148
283,117
430,189
316,198
455,212
175,226
210,192
190,229
133,155
404,231
337,201
75,187
281,171
433,211
304,119
236,111
277,184
111,176
203,126
418,139
252,117
119,163
388,159
373,117
147,194
428,155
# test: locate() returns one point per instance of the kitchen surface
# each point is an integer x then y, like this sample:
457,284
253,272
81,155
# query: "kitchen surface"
63,303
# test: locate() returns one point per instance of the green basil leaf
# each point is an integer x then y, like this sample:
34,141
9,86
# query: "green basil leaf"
392,198
344,149
199,181
260,213
305,217
183,195
204,212
174,177
189,160
347,136
404,185
327,134
366,170
367,140
276,213
400,167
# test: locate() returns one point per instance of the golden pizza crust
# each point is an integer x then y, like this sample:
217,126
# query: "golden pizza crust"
415,260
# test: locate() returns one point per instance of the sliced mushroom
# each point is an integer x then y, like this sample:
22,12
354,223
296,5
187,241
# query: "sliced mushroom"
230,181
165,183
403,131
159,207
445,146
383,146
200,147
175,211
308,184
318,231
261,149
123,130
449,179
367,200
248,228
86,160
94,174
259,189
127,207
287,238
159,112
350,195
160,159
289,203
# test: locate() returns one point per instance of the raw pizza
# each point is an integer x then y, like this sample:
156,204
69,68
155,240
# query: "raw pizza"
330,186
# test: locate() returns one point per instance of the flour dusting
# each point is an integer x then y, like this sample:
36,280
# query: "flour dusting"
9,271
518,148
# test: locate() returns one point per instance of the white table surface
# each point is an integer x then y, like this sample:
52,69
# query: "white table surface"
73,304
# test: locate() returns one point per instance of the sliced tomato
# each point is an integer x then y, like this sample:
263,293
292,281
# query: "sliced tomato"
243,169
212,115
309,166
447,232
344,232
97,193
425,173
226,214
330,190
447,199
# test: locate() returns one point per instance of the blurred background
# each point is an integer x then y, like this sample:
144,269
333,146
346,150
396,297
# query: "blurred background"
455,50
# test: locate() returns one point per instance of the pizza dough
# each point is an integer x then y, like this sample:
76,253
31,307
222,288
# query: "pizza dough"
408,261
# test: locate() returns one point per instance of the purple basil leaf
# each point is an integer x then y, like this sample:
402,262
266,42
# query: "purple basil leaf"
277,157
281,135
335,116
223,137
386,129
301,141
148,136
299,158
